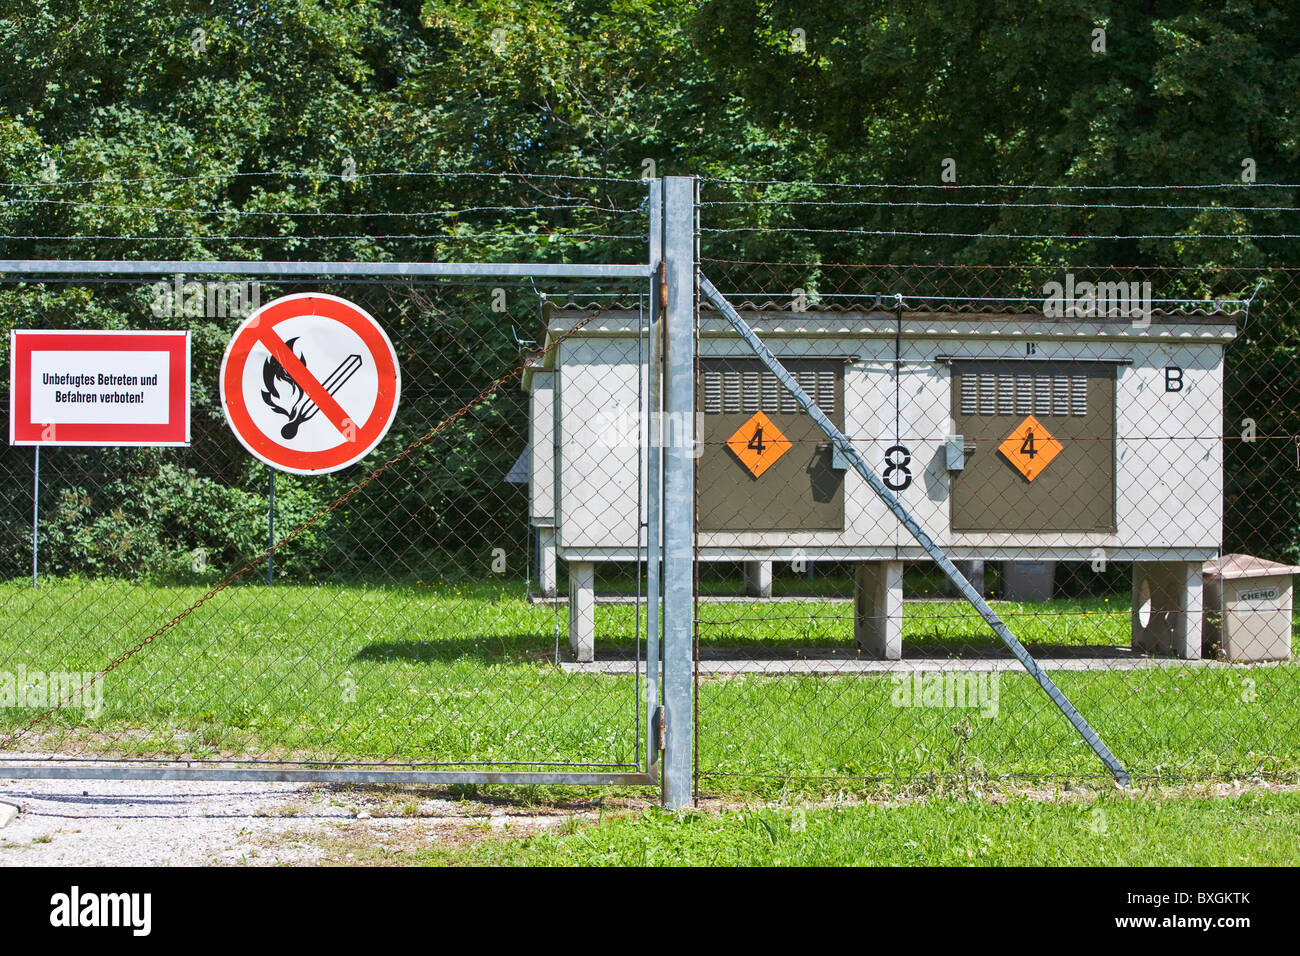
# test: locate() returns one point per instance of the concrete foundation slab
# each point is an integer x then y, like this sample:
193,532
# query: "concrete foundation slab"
821,662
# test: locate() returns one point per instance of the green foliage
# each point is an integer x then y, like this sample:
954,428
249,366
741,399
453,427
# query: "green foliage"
174,526
884,92
168,129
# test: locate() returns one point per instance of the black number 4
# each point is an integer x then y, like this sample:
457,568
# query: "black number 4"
1027,446
756,443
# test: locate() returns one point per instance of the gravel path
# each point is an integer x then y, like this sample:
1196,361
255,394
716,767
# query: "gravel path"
201,823
142,823
204,823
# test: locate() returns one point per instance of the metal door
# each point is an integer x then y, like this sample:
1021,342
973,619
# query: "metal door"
766,466
1040,446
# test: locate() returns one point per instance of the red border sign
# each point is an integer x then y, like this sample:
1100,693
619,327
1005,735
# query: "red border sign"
357,439
24,431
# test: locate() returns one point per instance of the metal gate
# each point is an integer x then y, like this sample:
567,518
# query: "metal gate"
192,613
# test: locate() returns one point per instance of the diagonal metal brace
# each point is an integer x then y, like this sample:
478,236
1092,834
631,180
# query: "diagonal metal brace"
851,454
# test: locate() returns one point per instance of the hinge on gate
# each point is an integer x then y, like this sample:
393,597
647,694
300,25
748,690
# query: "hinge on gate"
660,728
663,284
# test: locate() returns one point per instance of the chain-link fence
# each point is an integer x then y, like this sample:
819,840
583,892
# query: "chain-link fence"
1112,453
1093,446
395,626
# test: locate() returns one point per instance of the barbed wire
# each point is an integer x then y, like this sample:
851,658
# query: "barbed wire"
820,297
321,174
1027,186
523,236
997,266
992,235
566,207
990,205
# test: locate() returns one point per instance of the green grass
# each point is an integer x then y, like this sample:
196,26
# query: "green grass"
463,673
948,625
430,673
1106,830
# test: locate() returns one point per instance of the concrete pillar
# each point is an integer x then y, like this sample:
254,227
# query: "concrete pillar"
582,610
758,578
1167,608
546,562
878,609
974,573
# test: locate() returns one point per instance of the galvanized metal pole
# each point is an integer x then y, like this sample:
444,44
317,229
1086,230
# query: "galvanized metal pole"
262,267
679,490
36,509
654,487
963,585
270,528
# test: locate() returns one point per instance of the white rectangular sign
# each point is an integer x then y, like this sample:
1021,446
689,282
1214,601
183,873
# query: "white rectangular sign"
122,387
99,388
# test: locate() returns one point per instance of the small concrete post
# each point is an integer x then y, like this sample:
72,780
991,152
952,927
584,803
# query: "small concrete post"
582,610
758,579
546,562
1167,608
878,609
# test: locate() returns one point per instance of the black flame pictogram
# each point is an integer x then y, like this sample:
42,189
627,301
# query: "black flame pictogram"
295,404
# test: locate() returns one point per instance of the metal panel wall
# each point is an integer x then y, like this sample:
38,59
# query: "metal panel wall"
598,430
800,490
1040,446
541,444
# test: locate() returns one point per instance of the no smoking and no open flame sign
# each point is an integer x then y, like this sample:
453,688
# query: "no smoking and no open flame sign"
310,383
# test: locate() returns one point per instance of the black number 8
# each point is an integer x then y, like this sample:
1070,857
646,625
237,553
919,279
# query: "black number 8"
897,458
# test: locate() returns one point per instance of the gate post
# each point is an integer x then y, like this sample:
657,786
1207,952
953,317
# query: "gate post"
654,514
679,492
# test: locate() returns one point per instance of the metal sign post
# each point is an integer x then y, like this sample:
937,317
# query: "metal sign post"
270,527
36,508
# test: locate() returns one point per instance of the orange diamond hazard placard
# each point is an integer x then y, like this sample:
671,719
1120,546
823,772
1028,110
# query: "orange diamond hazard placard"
1030,448
758,444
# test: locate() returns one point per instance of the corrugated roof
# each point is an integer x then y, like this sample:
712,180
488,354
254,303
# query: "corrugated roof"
1003,307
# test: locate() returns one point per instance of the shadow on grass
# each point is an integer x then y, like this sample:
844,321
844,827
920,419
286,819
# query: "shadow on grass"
537,648
520,648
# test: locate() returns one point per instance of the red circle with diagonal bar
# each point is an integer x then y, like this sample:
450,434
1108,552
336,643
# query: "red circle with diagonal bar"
295,417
